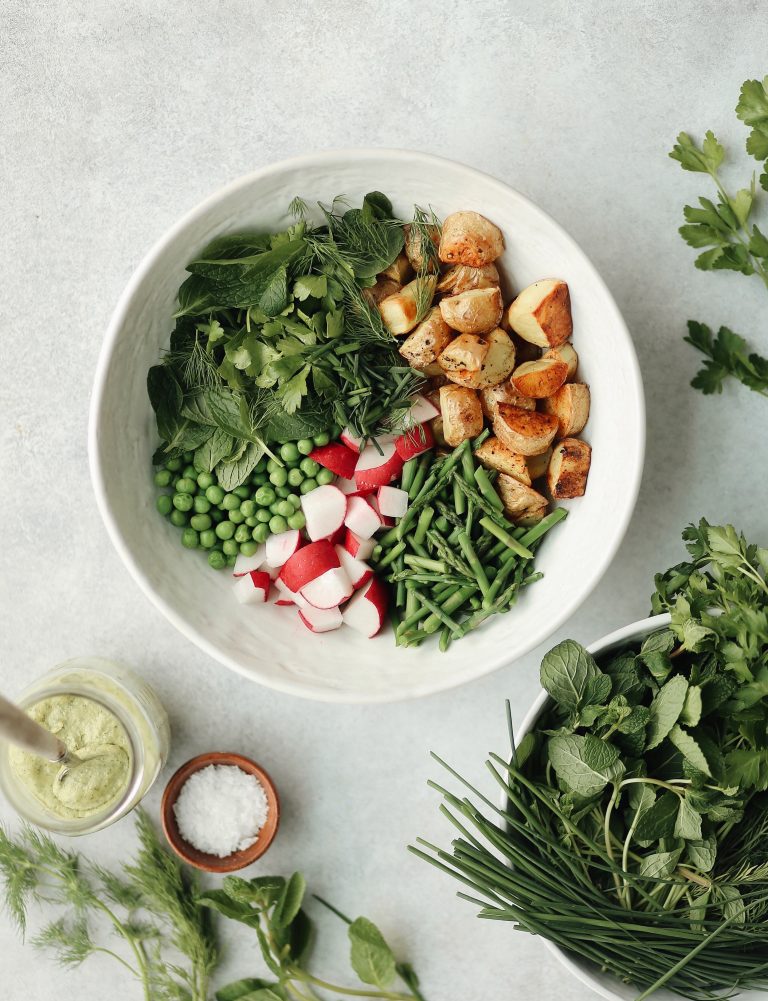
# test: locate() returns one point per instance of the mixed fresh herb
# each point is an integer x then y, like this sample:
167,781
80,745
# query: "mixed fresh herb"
729,239
634,831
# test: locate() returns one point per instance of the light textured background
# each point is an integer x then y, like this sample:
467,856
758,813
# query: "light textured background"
117,118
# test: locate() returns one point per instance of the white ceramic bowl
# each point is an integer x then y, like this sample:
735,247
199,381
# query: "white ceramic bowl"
269,644
603,983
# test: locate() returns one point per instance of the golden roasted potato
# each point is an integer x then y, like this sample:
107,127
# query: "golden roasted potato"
462,278
423,345
401,311
523,504
569,468
494,454
467,351
437,430
414,246
399,270
541,313
565,352
461,414
503,393
539,378
384,287
570,404
499,361
524,431
538,464
474,312
471,239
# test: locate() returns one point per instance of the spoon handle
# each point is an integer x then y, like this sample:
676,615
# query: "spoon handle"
17,727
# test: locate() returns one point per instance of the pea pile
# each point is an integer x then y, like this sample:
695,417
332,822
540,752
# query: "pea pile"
225,524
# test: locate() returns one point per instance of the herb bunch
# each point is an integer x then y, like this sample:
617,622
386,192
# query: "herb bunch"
729,240
634,830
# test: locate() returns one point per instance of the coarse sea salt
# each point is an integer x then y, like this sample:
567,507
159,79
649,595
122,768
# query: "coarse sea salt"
221,810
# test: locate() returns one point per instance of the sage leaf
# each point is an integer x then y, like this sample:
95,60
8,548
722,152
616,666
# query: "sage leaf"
584,764
571,676
370,956
659,821
289,904
665,709
690,750
688,822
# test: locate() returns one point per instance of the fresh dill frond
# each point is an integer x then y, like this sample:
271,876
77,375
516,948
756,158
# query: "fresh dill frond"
298,208
69,940
19,877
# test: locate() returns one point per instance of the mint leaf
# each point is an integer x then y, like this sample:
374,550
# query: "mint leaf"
688,822
702,854
689,749
243,990
212,451
660,865
665,709
274,298
658,821
233,474
370,956
289,904
692,706
571,676
584,764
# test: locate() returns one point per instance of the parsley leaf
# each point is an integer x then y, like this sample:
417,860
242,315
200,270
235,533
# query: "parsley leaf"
728,355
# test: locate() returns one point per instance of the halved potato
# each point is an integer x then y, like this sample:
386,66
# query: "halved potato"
423,345
524,431
494,454
474,312
399,270
401,311
467,351
569,468
461,414
539,378
383,288
565,352
471,239
499,361
523,504
462,278
414,246
541,313
503,393
538,464
570,404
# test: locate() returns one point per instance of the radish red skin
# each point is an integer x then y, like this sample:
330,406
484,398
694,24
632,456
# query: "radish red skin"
337,457
370,601
358,547
380,474
414,442
325,619
308,563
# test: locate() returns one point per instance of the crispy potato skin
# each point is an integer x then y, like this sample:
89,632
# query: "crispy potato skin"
494,454
538,464
541,378
541,313
569,469
414,249
473,312
423,345
438,432
467,351
383,288
499,361
565,352
461,278
400,311
399,270
471,239
526,431
503,393
570,404
523,504
461,414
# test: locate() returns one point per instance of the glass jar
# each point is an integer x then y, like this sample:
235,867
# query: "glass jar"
135,707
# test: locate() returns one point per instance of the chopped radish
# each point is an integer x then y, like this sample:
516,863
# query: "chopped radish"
375,468
337,457
366,610
329,589
285,596
361,518
421,410
350,440
320,620
414,442
253,588
324,508
392,502
338,536
244,564
350,488
361,549
308,563
282,546
357,571
385,521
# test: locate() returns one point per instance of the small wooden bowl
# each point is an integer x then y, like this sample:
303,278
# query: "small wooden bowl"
202,860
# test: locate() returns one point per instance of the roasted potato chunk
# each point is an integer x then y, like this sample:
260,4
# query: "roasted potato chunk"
414,246
539,378
499,361
461,279
423,345
523,504
565,352
524,431
461,414
471,239
401,311
541,313
437,430
383,288
474,312
569,469
467,351
538,464
399,270
494,454
570,404
503,393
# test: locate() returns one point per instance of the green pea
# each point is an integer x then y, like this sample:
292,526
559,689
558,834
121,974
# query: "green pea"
273,507
263,515
289,452
163,478
259,479
236,517
261,465
297,520
283,492
251,521
272,465
307,485
190,472
217,515
208,539
190,539
230,502
200,522
248,548
309,467
178,518
217,559
205,480
201,504
279,477
295,500
164,504
242,534
182,502
230,547
324,477
285,508
231,559
242,492
248,508
189,456
264,496
186,486
321,439
215,494
295,476
305,446
260,533
225,530
174,465
277,524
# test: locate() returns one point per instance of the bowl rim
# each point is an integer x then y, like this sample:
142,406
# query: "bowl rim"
290,685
